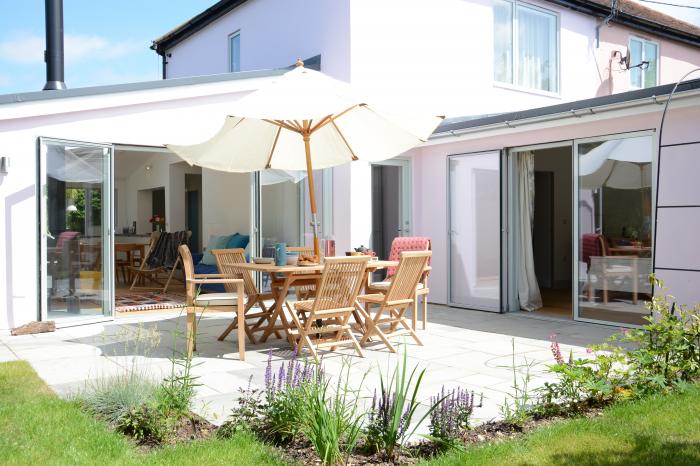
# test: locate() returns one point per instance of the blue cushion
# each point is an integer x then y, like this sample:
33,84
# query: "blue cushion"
215,242
210,287
238,241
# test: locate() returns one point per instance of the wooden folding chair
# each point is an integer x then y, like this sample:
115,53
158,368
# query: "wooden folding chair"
392,305
304,291
324,321
192,281
226,261
399,245
161,275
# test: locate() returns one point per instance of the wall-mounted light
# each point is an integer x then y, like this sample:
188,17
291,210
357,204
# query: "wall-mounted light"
149,168
4,165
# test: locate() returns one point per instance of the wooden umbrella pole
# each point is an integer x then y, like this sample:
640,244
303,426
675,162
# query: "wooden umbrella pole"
312,192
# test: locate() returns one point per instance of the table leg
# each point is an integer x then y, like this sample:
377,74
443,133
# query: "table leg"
279,311
241,321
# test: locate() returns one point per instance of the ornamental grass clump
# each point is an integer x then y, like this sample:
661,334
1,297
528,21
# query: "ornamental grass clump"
449,421
393,409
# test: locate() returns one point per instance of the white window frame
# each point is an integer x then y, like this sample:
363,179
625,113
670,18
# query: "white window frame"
514,34
230,51
658,62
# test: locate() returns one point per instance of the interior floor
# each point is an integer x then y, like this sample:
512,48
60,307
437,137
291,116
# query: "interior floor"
556,303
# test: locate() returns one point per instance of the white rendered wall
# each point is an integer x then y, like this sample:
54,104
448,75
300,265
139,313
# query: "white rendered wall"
181,116
273,35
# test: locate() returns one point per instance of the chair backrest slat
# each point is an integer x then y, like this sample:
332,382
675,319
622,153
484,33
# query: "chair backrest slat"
340,282
408,273
227,261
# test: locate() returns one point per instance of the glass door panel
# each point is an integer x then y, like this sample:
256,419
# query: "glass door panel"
475,231
614,218
75,236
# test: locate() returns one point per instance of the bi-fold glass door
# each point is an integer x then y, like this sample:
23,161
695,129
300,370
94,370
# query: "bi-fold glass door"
613,197
475,231
75,238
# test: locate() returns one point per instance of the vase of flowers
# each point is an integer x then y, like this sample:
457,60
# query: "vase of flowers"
158,222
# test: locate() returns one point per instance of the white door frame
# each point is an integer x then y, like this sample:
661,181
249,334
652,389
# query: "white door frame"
107,234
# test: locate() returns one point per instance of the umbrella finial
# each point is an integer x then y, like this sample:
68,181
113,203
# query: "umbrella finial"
299,63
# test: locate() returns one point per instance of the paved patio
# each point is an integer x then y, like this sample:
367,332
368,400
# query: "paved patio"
463,348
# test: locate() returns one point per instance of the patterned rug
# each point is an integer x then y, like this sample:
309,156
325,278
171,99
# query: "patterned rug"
147,301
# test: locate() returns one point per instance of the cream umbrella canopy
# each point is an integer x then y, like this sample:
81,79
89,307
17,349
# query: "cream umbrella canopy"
305,120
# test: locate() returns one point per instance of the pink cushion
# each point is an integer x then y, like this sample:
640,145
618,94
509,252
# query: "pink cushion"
406,243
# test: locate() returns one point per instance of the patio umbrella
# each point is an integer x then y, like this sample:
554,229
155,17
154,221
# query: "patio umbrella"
620,163
305,120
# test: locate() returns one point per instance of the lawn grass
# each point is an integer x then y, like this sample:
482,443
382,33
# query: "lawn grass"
662,430
37,427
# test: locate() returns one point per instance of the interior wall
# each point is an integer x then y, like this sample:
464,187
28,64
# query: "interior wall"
280,213
225,203
558,160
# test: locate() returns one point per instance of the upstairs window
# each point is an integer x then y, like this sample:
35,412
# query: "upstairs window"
526,46
642,50
234,51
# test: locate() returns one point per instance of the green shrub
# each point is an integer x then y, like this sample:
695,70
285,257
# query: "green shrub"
144,424
662,355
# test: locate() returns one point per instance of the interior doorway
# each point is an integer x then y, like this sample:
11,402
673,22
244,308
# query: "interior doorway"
543,188
391,201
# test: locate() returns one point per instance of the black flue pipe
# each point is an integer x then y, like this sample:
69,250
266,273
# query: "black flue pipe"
53,55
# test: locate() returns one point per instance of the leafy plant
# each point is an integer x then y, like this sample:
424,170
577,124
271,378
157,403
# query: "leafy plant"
144,424
285,397
247,415
332,420
391,414
450,419
516,408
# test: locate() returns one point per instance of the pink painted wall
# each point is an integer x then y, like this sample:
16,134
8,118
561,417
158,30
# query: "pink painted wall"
675,58
430,182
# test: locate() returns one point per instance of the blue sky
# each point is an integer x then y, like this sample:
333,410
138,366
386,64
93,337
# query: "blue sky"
107,41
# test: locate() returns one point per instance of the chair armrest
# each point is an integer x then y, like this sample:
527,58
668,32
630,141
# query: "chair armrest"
211,275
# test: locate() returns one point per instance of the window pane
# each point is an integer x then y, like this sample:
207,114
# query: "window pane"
615,244
650,72
235,47
537,49
635,59
503,42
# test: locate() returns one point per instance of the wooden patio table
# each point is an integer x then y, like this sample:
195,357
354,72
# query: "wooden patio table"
285,277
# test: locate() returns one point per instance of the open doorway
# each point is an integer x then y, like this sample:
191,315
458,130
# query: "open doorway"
390,204
544,189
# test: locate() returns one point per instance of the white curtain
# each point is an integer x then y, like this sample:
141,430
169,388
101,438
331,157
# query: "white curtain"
528,290
537,45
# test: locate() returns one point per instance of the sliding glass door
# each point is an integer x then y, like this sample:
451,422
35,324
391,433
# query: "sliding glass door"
75,231
613,187
474,228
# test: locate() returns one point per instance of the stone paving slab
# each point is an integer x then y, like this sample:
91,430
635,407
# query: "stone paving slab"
467,349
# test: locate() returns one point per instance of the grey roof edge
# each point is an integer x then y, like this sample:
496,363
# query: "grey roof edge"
567,107
138,86
194,24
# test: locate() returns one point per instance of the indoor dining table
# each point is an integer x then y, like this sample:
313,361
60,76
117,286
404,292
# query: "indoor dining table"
284,277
